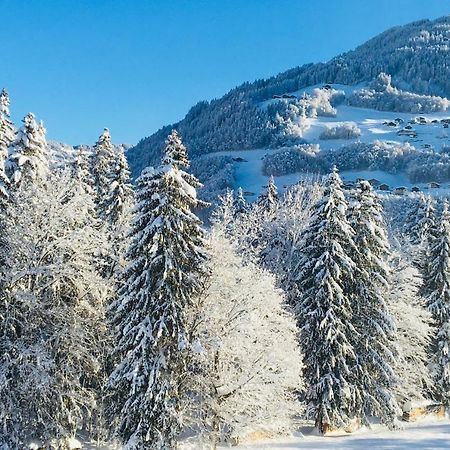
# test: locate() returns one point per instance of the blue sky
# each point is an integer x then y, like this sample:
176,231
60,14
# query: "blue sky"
135,65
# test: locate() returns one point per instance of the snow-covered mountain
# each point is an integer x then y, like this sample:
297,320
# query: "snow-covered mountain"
403,73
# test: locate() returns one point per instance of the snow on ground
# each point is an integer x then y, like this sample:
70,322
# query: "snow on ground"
249,175
428,434
370,122
434,435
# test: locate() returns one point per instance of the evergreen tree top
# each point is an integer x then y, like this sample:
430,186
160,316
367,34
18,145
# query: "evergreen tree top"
104,148
240,204
175,152
4,103
6,127
269,198
368,222
104,138
31,135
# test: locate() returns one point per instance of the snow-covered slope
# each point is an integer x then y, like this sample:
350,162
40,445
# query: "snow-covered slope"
415,55
425,133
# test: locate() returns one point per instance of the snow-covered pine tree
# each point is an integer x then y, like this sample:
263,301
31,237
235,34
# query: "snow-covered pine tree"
414,331
29,157
268,199
240,204
117,209
225,210
52,314
324,272
165,277
120,196
438,301
104,160
420,219
374,341
82,167
249,358
7,133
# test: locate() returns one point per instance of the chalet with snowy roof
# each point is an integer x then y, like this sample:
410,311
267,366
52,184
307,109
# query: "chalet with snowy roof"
384,187
374,182
434,185
400,190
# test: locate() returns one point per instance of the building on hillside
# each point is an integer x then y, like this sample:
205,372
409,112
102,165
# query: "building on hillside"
407,132
400,190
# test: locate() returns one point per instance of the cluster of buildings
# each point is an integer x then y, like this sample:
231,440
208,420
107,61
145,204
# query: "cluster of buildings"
378,185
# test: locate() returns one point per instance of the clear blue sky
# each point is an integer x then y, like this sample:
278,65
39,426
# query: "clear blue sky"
135,65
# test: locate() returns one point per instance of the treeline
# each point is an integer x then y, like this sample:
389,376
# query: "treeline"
420,165
381,95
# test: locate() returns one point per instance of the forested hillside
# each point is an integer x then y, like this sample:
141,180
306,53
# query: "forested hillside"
412,54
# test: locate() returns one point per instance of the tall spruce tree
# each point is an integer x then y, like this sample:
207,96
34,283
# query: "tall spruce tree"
103,163
324,272
165,277
29,153
117,210
438,301
6,138
375,339
120,195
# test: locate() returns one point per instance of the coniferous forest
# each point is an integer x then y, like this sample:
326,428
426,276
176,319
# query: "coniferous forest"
124,318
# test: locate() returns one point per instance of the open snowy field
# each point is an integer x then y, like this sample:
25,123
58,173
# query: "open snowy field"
371,123
434,435
427,435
